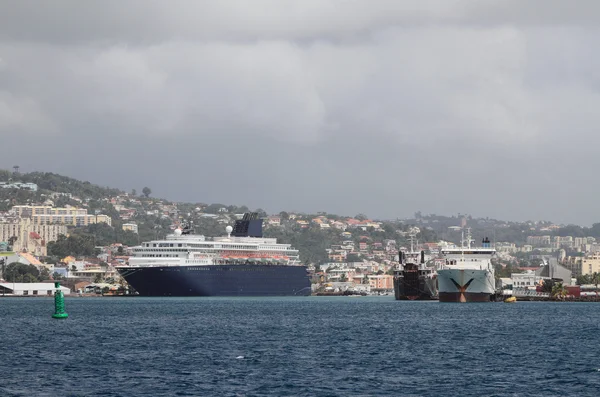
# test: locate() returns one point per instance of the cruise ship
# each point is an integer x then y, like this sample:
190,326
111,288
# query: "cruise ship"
468,273
413,279
243,263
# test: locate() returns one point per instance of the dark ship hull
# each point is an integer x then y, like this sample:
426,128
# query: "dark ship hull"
410,285
414,281
219,280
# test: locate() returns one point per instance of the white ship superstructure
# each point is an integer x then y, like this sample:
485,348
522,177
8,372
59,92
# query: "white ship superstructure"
468,273
186,250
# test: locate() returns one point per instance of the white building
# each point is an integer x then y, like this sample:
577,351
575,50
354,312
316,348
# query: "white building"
31,289
527,280
19,185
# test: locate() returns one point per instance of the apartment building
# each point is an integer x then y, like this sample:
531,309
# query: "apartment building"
34,210
47,215
74,220
590,264
29,236
539,241
381,282
132,227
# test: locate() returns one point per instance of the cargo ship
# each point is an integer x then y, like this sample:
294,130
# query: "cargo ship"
242,263
468,273
413,280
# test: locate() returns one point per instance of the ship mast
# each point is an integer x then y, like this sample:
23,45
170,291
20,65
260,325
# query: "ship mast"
469,239
412,234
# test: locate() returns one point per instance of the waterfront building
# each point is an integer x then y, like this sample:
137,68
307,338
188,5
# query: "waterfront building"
575,265
589,265
31,289
555,271
91,272
527,280
381,282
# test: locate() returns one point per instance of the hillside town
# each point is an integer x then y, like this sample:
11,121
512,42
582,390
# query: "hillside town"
78,234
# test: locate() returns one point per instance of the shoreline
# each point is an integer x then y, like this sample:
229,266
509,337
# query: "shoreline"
83,296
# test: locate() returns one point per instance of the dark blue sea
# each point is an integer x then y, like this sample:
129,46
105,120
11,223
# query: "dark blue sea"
312,346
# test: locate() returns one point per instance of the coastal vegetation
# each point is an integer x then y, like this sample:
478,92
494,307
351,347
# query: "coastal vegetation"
21,273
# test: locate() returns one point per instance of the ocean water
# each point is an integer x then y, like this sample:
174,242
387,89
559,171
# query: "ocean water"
311,346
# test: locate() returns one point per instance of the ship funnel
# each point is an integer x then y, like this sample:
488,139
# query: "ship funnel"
249,226
422,256
400,257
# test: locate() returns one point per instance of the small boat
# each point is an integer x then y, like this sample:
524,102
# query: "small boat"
512,299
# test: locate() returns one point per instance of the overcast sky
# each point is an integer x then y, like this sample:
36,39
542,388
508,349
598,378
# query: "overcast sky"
382,107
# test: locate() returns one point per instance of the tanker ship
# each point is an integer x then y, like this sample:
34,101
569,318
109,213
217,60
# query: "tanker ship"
413,280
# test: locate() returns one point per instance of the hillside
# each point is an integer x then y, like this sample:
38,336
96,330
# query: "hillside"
156,217
317,236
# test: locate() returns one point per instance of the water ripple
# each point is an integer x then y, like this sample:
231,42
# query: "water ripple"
313,346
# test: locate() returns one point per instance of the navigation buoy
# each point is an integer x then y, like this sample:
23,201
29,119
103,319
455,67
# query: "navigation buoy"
59,303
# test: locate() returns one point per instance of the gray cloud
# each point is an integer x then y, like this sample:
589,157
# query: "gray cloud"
381,107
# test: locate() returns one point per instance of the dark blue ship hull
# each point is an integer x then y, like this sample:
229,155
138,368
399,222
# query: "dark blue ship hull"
219,280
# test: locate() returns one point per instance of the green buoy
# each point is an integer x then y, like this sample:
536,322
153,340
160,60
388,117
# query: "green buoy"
59,303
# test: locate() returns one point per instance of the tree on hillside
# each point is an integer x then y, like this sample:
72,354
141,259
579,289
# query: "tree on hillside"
360,217
214,208
63,201
75,244
17,272
44,274
133,192
63,184
146,191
